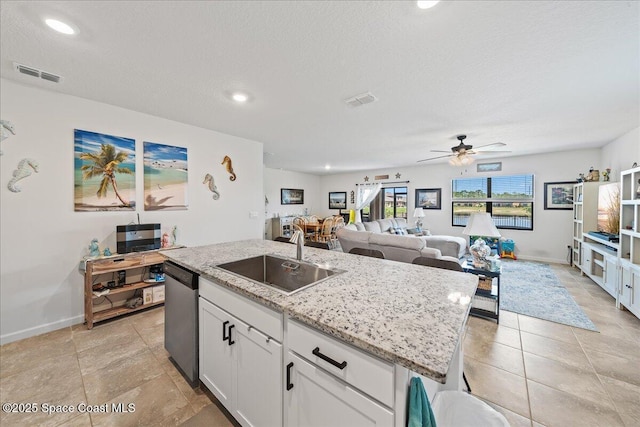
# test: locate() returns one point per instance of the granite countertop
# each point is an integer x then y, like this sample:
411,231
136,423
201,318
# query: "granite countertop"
403,313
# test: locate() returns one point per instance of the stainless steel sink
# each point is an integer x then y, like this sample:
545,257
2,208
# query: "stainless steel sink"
283,274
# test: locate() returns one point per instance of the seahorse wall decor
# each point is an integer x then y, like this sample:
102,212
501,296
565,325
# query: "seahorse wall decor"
227,164
208,179
24,170
6,130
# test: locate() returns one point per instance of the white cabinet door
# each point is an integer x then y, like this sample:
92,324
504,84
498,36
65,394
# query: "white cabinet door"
215,353
630,289
241,367
610,279
258,376
586,259
318,399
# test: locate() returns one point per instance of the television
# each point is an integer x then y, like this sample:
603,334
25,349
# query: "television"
137,237
609,208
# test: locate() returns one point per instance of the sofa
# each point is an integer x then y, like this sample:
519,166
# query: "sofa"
449,246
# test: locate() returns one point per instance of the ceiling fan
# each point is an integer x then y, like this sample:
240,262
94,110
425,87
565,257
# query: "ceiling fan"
461,153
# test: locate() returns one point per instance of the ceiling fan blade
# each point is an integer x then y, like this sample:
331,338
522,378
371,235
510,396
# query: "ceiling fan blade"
433,158
488,152
495,144
441,151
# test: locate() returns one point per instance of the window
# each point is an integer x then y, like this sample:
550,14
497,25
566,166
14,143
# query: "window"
509,200
395,202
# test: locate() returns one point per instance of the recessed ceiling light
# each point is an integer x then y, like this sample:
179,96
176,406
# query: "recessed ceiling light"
60,26
427,4
240,97
327,167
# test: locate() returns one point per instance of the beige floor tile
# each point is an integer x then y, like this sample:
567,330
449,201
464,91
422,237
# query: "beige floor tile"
514,420
553,408
155,400
509,319
497,386
81,420
537,424
571,354
25,354
195,396
95,358
177,418
148,319
494,354
208,416
626,397
494,332
57,376
119,376
64,395
621,367
581,382
153,336
112,333
592,341
547,329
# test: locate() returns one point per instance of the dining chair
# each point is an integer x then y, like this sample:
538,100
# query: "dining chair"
438,263
367,252
325,231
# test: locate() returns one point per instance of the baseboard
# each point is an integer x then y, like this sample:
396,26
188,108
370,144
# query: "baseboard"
40,329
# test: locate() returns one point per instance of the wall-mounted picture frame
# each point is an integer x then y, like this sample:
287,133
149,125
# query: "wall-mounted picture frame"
429,198
489,167
291,196
104,172
558,195
165,177
338,200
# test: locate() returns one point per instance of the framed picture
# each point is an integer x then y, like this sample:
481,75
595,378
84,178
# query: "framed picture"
429,198
290,196
96,187
165,177
338,200
489,167
558,195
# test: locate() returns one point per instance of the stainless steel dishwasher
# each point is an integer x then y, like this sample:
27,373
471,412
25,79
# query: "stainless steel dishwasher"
181,319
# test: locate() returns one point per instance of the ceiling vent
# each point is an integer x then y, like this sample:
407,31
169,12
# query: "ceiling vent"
34,72
358,100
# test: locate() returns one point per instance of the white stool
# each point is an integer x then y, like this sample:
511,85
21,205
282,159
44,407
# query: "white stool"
459,409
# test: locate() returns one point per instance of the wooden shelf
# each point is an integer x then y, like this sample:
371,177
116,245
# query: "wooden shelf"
110,265
119,311
131,287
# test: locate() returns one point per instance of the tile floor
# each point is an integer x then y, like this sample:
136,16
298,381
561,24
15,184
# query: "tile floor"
536,373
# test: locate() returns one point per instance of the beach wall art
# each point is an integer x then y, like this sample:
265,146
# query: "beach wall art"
165,177
104,169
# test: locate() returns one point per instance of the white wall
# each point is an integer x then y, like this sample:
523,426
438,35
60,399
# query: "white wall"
43,239
275,179
552,228
621,153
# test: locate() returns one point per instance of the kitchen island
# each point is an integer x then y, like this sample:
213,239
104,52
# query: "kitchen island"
403,319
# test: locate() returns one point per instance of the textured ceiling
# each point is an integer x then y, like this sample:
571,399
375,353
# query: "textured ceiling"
538,76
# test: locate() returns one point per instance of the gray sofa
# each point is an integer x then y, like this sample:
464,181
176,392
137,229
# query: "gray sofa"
449,246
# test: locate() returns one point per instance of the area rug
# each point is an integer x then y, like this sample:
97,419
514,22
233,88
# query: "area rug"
532,289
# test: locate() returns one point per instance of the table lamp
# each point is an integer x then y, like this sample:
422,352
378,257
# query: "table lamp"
418,213
480,224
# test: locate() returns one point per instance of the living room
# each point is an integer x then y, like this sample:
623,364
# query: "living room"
44,239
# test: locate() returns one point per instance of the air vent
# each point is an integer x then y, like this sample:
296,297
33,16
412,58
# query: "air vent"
34,72
358,100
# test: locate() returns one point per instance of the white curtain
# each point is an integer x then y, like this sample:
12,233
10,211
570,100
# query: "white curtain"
365,195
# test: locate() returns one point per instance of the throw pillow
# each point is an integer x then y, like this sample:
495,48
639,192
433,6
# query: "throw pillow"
401,231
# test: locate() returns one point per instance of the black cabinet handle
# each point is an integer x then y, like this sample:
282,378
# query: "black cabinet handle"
224,331
230,340
316,352
289,385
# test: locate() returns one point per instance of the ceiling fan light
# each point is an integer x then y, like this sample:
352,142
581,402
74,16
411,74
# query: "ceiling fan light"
455,161
466,160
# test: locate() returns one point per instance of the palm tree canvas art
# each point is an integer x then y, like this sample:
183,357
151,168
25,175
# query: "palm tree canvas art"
165,177
105,169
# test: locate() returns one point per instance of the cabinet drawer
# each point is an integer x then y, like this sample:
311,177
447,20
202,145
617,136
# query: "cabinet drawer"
262,318
365,372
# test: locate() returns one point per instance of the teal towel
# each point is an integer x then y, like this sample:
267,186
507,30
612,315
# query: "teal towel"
420,413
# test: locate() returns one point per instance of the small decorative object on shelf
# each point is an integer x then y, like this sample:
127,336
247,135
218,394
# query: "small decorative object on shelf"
638,190
165,240
94,250
106,252
605,174
174,235
480,252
